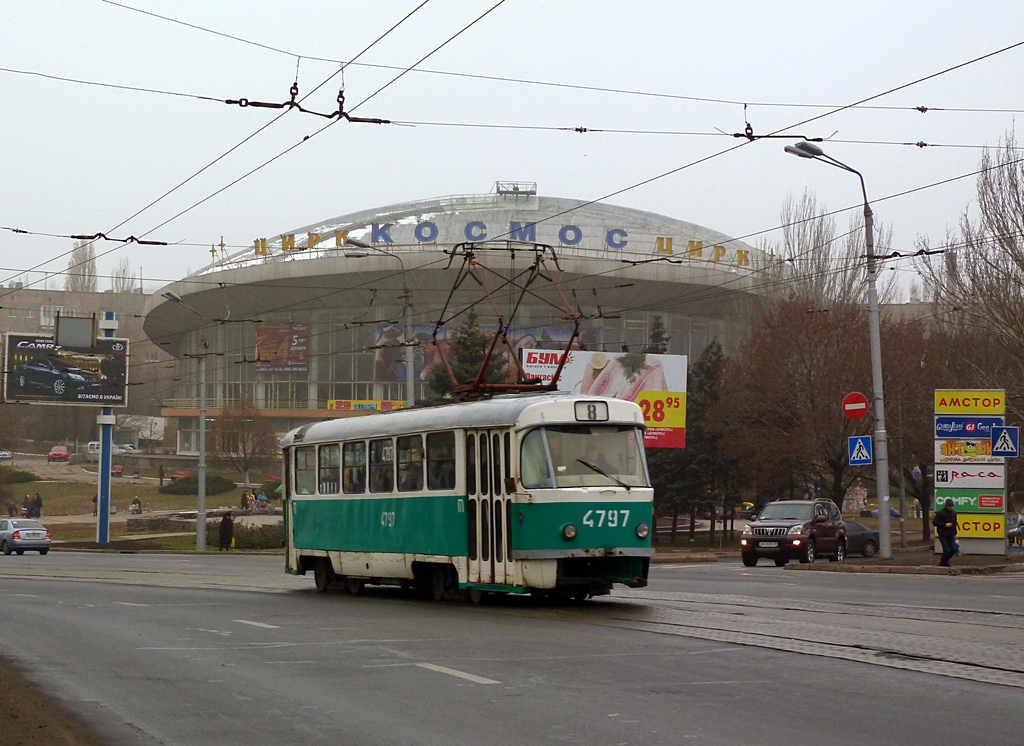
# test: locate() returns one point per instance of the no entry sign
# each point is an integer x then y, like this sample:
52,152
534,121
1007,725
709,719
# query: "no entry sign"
855,405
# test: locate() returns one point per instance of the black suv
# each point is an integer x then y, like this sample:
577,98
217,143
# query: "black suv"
795,529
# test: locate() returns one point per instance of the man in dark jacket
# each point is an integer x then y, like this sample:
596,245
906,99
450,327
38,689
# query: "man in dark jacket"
946,527
226,532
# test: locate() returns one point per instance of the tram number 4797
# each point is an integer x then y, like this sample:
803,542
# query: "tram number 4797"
610,518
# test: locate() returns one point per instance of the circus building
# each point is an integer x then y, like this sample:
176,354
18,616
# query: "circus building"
330,318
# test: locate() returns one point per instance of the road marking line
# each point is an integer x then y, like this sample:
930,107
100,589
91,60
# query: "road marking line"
459,674
257,624
127,603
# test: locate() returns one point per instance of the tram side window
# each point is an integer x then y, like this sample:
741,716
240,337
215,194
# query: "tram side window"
441,461
354,459
533,462
329,470
305,470
382,465
410,463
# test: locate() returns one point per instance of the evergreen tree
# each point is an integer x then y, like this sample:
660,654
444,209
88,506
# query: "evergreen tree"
466,358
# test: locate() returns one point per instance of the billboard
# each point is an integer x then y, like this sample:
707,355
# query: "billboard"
365,405
282,348
965,426
965,452
38,370
980,477
656,382
971,501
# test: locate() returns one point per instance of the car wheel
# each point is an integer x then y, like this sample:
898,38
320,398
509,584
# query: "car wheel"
749,560
21,382
59,387
781,562
43,551
6,548
840,554
870,547
809,552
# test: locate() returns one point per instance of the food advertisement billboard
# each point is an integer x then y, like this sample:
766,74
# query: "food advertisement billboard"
656,382
38,370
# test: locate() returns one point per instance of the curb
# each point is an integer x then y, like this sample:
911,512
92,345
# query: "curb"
908,569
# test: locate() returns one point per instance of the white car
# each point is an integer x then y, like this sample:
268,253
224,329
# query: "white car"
126,448
6,455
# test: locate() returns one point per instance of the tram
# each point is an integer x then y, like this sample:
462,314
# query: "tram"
546,494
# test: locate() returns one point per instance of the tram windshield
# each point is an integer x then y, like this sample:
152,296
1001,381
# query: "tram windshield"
583,456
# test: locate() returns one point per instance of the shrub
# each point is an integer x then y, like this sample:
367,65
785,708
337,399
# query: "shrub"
269,488
262,536
215,485
16,476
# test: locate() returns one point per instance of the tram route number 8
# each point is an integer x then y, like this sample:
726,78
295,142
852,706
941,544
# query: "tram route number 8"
610,518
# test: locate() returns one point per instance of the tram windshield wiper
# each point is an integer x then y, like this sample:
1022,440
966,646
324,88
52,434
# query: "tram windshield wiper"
603,473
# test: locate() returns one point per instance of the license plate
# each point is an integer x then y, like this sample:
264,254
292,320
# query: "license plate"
34,535
769,544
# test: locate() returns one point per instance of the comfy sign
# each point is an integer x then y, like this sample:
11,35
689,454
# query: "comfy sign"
970,401
972,477
981,527
970,501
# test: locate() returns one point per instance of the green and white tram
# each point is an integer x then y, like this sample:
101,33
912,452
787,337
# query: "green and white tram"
543,493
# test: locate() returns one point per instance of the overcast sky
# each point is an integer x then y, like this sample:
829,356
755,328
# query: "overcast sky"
81,159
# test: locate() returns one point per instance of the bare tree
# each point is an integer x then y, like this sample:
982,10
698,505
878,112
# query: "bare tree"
813,263
81,277
243,438
979,279
123,279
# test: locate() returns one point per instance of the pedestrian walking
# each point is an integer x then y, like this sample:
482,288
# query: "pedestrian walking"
946,527
226,532
162,476
37,506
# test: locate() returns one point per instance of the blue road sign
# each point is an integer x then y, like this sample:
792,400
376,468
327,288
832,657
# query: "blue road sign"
1006,441
860,450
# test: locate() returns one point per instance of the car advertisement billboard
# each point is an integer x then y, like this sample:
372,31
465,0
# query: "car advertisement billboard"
656,382
38,370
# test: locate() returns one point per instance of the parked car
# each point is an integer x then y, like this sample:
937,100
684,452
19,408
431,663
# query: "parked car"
861,539
121,448
795,529
6,455
19,534
1014,528
58,453
50,375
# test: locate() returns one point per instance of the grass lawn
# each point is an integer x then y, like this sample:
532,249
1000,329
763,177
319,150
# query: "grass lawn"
75,498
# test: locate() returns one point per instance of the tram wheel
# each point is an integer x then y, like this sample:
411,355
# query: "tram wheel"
438,586
475,596
354,586
581,596
323,574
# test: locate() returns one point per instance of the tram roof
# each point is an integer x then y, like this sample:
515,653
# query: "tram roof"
499,410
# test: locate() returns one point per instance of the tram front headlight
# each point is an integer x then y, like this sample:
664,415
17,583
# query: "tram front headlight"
569,532
643,530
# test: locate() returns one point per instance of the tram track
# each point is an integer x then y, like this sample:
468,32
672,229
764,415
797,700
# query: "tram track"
973,645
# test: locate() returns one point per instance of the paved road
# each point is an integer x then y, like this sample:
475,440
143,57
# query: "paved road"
186,649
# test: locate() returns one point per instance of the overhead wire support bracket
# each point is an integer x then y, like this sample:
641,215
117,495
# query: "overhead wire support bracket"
292,103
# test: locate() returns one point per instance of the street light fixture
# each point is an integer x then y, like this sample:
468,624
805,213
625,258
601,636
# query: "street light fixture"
804,149
201,478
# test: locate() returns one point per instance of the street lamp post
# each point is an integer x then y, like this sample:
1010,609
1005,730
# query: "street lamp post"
410,359
805,149
201,476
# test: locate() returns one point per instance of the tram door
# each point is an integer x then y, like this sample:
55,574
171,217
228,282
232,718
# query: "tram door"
487,465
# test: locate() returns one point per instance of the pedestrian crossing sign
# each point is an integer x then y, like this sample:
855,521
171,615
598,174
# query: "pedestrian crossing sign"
860,450
1005,441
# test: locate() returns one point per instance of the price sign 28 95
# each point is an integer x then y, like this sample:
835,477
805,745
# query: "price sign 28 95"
663,408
